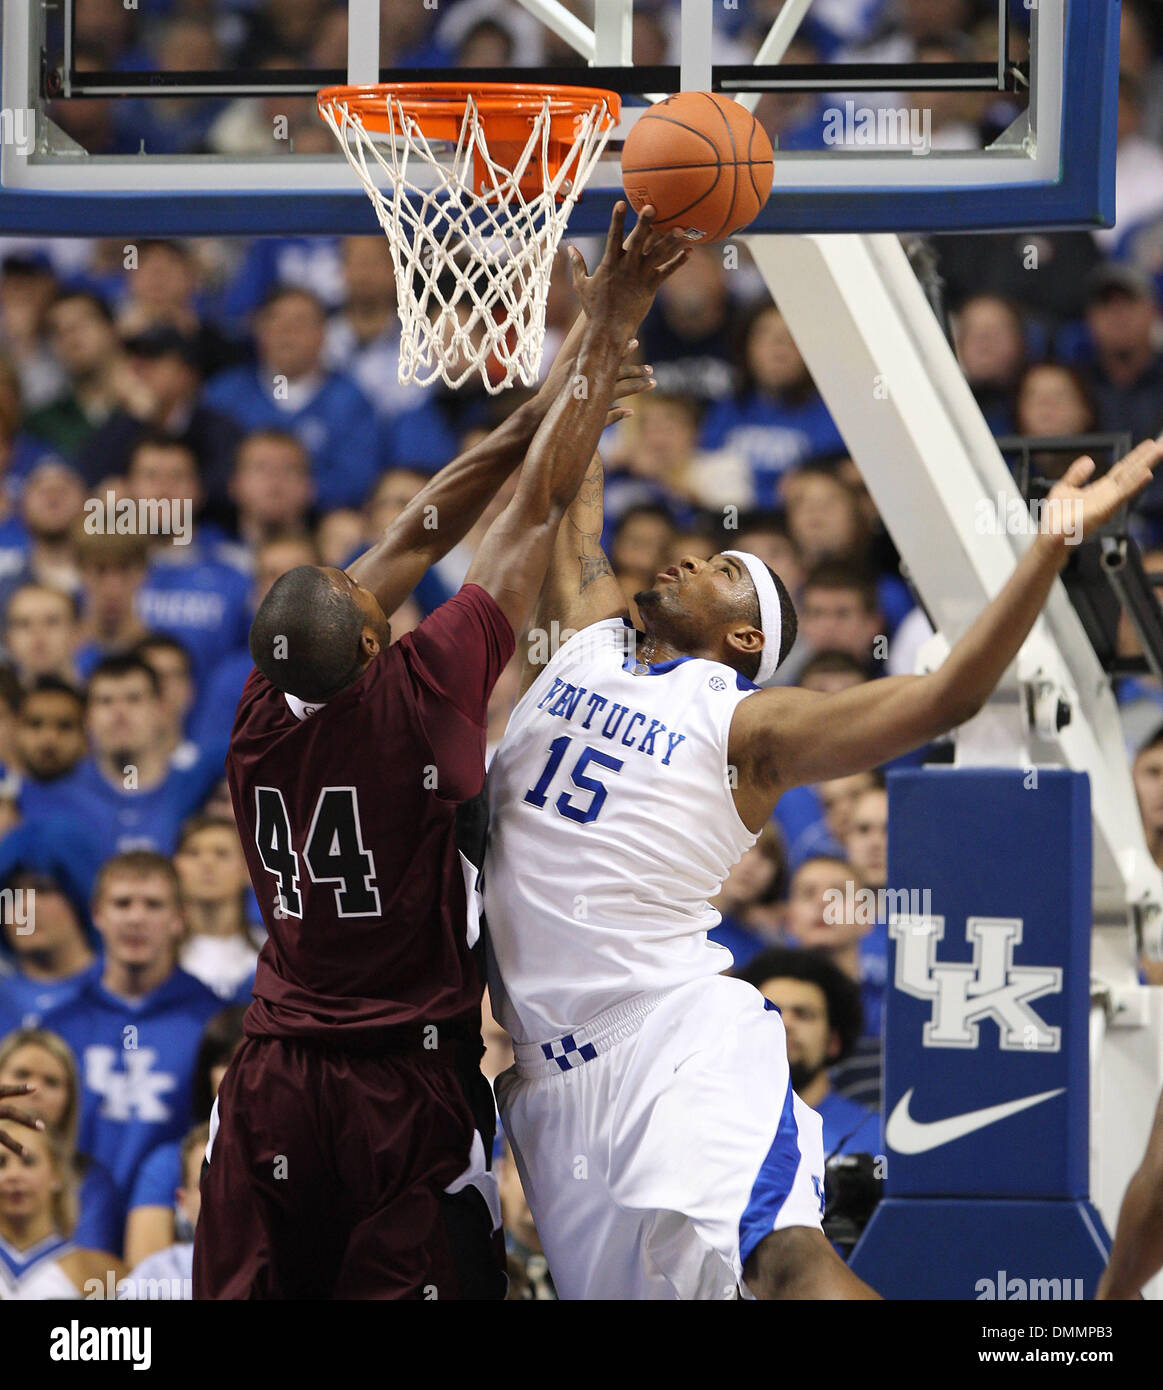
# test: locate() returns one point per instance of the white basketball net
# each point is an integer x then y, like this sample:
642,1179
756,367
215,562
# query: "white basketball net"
472,265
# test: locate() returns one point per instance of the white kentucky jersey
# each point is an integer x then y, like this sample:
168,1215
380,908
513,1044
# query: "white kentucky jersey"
35,1274
611,824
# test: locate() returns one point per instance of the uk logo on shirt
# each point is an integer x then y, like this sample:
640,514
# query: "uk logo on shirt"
133,1091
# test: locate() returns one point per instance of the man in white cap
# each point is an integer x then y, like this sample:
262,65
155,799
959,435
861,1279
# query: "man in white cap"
662,1149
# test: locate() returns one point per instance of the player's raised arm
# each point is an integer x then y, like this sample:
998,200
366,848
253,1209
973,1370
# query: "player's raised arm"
579,586
512,558
786,737
447,507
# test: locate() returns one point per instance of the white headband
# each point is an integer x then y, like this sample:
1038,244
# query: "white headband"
770,612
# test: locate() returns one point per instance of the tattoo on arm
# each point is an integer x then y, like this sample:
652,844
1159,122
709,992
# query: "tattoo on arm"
592,562
591,569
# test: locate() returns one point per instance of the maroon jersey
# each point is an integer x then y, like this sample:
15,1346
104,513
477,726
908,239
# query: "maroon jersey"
348,821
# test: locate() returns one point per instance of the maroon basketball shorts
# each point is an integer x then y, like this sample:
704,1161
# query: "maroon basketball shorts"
329,1177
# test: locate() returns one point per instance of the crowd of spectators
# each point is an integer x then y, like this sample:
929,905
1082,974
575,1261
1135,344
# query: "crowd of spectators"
247,392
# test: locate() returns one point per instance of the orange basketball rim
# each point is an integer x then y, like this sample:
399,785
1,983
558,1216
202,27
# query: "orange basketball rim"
507,112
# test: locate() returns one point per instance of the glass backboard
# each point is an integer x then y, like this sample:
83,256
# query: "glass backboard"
125,117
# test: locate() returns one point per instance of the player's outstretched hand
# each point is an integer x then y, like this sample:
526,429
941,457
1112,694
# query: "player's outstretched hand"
1084,508
16,1116
621,289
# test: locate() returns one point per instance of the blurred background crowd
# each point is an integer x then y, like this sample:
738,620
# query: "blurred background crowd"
253,383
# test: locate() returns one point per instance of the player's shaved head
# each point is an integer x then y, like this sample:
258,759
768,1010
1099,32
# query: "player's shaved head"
306,637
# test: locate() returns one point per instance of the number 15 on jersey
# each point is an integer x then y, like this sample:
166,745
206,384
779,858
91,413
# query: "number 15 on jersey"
566,805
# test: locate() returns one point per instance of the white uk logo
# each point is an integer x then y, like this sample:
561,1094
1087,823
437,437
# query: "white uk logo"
991,986
135,1092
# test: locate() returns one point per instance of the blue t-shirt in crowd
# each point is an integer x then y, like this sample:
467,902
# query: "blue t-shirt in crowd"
212,716
807,131
203,603
815,839
163,130
336,426
837,24
15,543
121,820
158,1178
798,810
874,979
136,1060
427,437
309,263
1129,688
848,1127
100,1209
24,1002
431,592
62,848
772,437
896,603
27,451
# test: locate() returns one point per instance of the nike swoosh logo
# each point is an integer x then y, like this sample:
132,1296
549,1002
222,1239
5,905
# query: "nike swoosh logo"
909,1136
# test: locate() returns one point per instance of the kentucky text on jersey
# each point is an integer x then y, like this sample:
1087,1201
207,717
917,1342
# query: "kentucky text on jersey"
601,715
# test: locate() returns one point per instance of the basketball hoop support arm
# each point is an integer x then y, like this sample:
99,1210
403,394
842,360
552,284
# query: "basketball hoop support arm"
900,400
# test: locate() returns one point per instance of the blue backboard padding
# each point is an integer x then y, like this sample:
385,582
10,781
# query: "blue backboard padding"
991,845
256,213
984,1250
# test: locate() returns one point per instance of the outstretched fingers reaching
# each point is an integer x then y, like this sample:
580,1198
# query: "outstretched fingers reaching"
1099,500
1132,474
642,238
617,227
1078,472
680,257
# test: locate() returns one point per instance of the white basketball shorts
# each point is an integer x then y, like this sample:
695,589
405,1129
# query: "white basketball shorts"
660,1143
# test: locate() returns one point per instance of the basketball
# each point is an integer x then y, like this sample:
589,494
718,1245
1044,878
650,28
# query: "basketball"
703,161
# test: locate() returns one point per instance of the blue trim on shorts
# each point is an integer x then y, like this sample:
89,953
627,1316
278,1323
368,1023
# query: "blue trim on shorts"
773,1184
